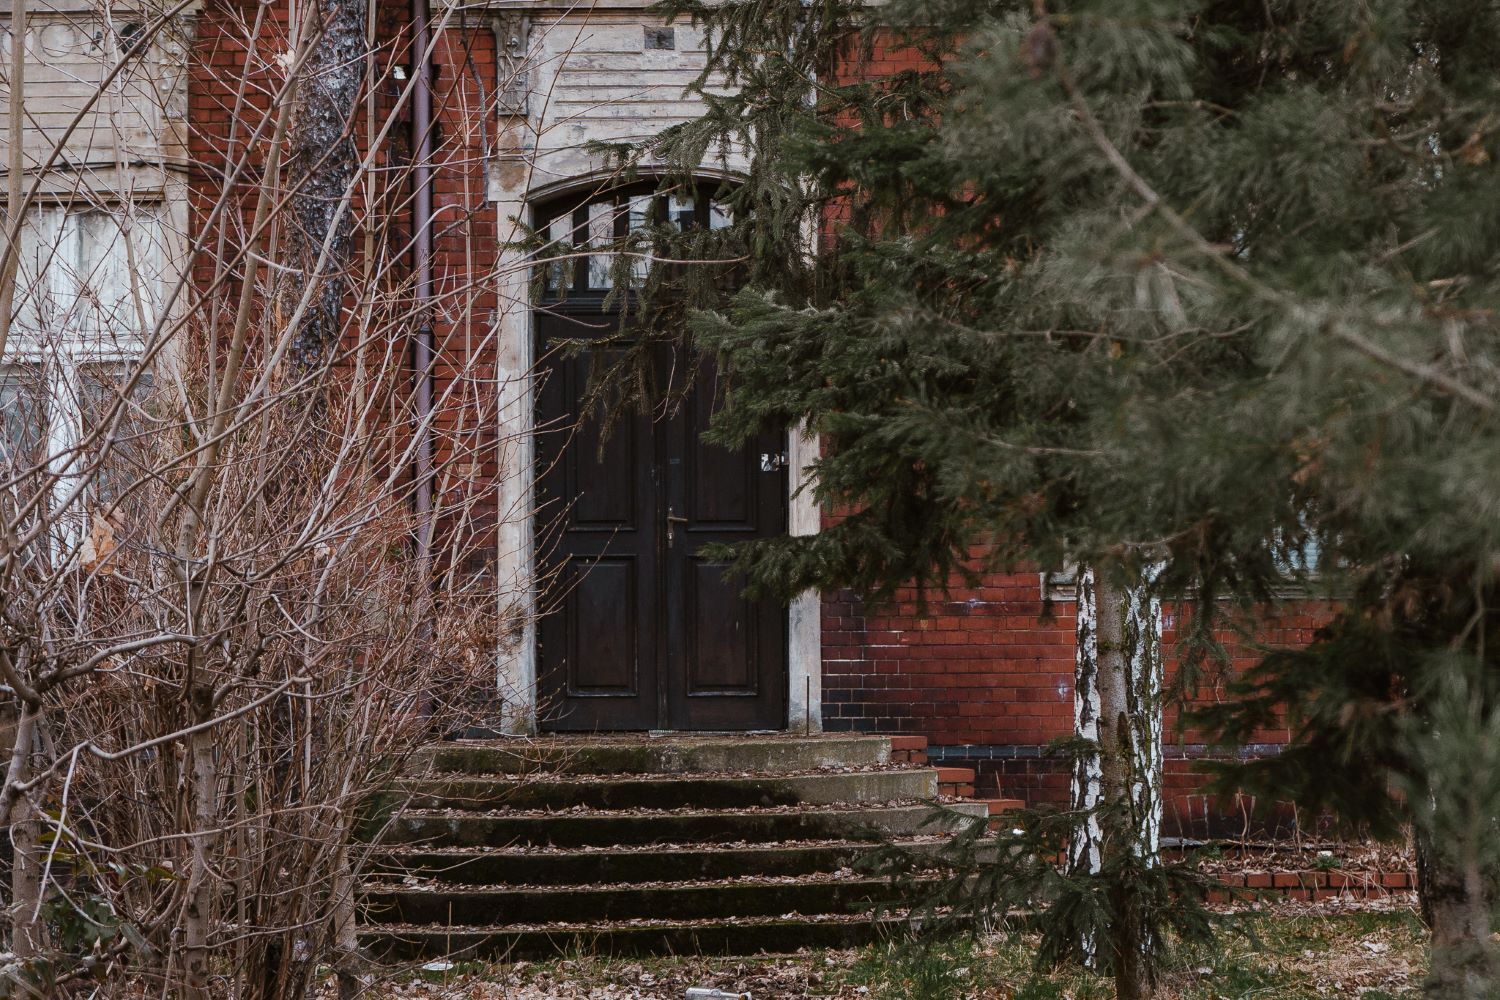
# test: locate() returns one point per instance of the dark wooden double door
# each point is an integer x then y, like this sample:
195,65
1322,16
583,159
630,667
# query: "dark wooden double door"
640,631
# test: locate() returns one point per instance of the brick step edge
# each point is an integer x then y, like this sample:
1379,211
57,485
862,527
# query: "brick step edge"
956,781
1308,886
908,749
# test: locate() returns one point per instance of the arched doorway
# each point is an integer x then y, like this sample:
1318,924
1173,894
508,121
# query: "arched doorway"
639,630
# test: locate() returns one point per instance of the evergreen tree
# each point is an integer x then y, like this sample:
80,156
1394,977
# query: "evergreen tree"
946,455
1184,293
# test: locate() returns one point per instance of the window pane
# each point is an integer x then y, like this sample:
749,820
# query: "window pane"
601,234
617,224
118,275
718,217
682,211
23,420
42,254
559,241
639,219
125,455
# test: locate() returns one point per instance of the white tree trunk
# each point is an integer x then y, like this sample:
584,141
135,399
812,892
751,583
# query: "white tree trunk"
1118,772
1117,708
1084,855
1142,670
346,956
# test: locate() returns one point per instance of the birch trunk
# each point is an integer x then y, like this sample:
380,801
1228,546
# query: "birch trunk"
18,812
1085,849
1117,786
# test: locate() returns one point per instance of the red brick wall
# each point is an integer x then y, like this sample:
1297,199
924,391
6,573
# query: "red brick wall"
983,666
232,46
466,249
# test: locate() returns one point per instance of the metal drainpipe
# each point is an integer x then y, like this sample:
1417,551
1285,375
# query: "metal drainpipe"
423,349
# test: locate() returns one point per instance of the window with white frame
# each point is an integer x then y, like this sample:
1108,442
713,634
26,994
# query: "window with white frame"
89,288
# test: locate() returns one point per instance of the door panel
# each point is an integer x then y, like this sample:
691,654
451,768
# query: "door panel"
728,652
602,488
644,632
596,548
721,485
600,608
721,644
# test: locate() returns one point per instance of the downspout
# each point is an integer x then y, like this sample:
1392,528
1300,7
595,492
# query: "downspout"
423,349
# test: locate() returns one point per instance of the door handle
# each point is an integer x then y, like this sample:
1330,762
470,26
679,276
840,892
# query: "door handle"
672,521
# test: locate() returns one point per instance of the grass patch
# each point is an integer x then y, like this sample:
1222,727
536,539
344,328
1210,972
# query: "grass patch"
1377,956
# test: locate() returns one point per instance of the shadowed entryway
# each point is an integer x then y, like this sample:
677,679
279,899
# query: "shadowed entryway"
642,631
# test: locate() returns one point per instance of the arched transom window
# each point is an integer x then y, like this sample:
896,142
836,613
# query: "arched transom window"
587,237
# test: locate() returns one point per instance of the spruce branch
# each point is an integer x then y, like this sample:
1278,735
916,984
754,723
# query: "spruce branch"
1219,256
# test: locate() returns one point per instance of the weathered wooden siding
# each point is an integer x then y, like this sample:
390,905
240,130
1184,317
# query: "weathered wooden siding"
132,127
595,79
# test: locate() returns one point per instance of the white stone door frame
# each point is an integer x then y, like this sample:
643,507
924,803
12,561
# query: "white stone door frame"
516,555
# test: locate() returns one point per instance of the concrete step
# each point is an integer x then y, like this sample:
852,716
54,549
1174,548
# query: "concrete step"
708,900
621,845
578,828
671,862
659,755
667,792
742,936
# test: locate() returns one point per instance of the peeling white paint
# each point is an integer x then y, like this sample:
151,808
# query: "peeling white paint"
1088,778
